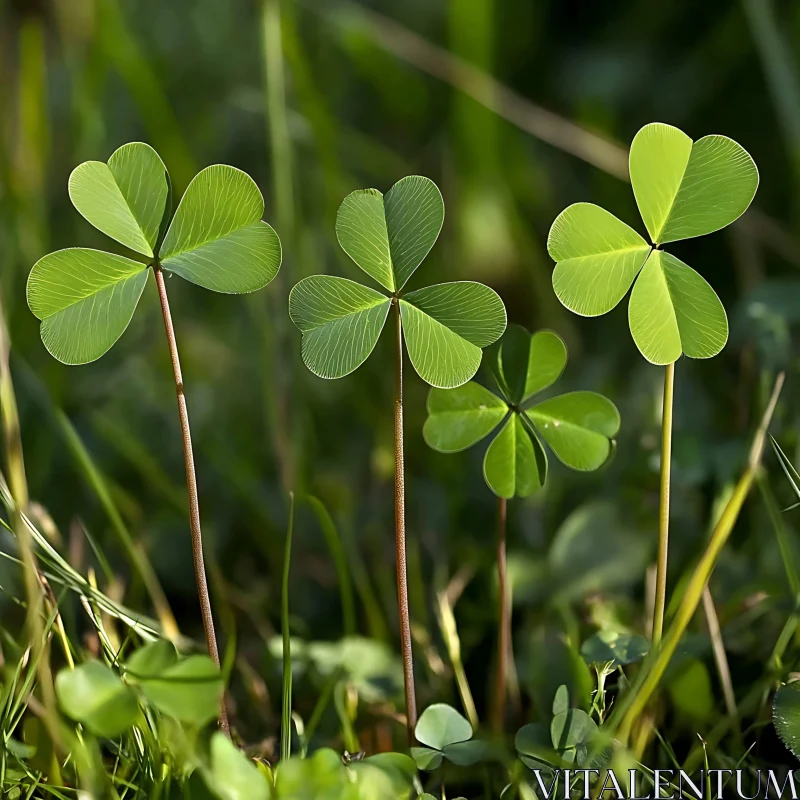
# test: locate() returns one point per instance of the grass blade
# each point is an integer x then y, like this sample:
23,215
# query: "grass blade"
286,711
632,706
334,542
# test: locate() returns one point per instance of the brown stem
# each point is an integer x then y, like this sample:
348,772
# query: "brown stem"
191,486
504,623
400,534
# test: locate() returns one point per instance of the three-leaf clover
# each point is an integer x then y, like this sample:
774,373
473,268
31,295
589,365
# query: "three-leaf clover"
388,236
444,733
683,189
569,738
86,298
577,426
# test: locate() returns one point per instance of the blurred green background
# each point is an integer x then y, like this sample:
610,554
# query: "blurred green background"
516,108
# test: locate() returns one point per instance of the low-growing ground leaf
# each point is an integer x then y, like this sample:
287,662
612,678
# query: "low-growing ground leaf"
786,715
674,311
445,326
189,690
232,775
151,660
578,427
440,725
85,300
125,198
340,321
617,648
320,777
465,754
514,463
458,418
571,732
534,746
217,238
426,758
597,258
94,695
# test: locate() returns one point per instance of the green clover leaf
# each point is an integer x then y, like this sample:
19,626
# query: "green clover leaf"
388,236
86,299
683,189
94,695
444,733
578,426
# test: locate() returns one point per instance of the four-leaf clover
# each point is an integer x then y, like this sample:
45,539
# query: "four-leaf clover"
577,426
388,236
86,298
683,189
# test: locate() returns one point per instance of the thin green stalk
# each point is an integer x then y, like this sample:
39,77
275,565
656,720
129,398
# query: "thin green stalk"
339,557
191,486
782,534
446,599
278,395
663,508
18,486
286,710
632,706
400,533
504,621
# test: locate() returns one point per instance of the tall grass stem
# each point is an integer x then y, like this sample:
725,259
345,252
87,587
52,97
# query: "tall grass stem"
286,709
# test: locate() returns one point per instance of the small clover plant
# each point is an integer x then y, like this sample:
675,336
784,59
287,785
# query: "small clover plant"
86,298
443,733
578,427
570,739
187,689
683,189
444,326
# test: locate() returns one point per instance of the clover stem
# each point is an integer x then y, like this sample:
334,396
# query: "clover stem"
191,486
504,626
663,508
400,532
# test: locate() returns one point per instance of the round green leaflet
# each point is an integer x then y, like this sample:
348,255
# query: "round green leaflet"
94,695
87,298
388,236
683,189
578,426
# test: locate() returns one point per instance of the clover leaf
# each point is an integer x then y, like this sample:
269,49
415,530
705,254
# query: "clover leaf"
388,236
86,298
578,426
568,740
786,715
188,689
616,648
94,695
683,189
444,733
